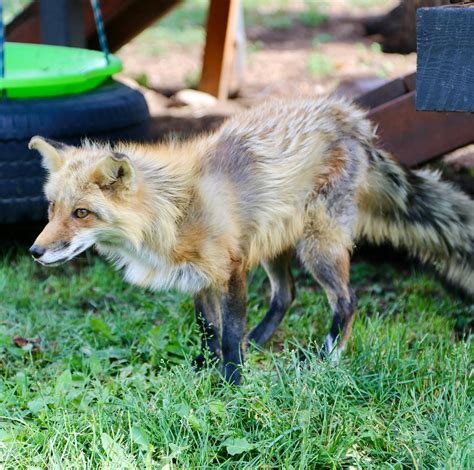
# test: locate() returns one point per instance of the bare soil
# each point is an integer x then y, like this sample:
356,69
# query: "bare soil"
278,61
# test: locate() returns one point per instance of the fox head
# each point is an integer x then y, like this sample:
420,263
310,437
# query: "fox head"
84,188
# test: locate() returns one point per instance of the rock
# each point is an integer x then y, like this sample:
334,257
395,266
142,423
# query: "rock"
460,159
194,99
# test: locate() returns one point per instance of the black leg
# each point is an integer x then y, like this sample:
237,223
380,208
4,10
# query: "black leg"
234,319
283,293
343,316
206,304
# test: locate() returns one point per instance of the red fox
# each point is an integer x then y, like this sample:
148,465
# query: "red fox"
197,215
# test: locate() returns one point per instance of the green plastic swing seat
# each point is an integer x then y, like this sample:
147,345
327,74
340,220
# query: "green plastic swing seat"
38,71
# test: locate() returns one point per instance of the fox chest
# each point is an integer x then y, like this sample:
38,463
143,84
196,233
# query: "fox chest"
146,269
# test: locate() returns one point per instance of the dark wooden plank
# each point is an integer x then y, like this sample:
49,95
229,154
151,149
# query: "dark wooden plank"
416,137
123,20
219,49
25,27
410,81
123,25
62,23
445,68
382,94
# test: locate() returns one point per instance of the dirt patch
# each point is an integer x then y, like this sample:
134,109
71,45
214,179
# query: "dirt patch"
286,56
280,61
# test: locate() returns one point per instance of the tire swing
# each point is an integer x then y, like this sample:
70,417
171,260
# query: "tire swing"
65,94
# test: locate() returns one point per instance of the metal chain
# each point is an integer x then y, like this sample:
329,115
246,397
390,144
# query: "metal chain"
100,28
2,42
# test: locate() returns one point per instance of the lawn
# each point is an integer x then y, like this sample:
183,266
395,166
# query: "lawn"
97,374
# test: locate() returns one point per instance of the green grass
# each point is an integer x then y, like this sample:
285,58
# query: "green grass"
109,384
185,25
320,64
368,4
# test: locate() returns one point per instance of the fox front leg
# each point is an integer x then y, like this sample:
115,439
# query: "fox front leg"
206,305
283,293
234,321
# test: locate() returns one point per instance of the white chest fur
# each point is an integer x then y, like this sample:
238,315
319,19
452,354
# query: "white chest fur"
147,269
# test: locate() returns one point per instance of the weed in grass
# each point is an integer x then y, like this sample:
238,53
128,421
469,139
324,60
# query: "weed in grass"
369,4
192,79
254,46
184,26
313,16
271,14
373,58
112,384
321,38
142,79
278,21
266,4
320,64
376,48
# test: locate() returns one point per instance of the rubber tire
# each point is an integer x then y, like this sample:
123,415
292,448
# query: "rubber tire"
111,112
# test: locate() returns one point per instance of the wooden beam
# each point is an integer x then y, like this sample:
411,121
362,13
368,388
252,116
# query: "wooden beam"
416,137
388,91
123,20
382,94
133,17
25,27
219,49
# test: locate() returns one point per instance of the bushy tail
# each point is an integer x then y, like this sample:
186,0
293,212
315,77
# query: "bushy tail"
416,211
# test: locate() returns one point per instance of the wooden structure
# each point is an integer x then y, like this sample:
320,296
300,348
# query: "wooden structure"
444,83
445,80
58,21
71,22
397,28
414,137
220,45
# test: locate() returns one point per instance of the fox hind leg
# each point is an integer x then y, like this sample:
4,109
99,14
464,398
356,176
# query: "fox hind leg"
283,293
331,269
325,251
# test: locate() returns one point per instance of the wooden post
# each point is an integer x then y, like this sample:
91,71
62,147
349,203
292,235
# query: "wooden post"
62,23
219,49
445,78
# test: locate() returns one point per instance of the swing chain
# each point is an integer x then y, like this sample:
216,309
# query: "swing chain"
2,42
100,28
99,25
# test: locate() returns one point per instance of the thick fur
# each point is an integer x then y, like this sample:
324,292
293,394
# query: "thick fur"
197,215
416,211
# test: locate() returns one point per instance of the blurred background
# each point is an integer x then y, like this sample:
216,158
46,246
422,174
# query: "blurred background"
292,47
196,62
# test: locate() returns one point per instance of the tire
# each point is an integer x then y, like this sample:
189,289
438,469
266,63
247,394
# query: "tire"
111,112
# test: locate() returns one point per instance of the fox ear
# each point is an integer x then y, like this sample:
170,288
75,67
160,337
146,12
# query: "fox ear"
115,172
50,150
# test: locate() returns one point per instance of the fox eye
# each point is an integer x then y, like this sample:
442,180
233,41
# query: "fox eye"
80,213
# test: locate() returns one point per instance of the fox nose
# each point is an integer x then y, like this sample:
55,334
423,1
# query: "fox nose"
37,251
